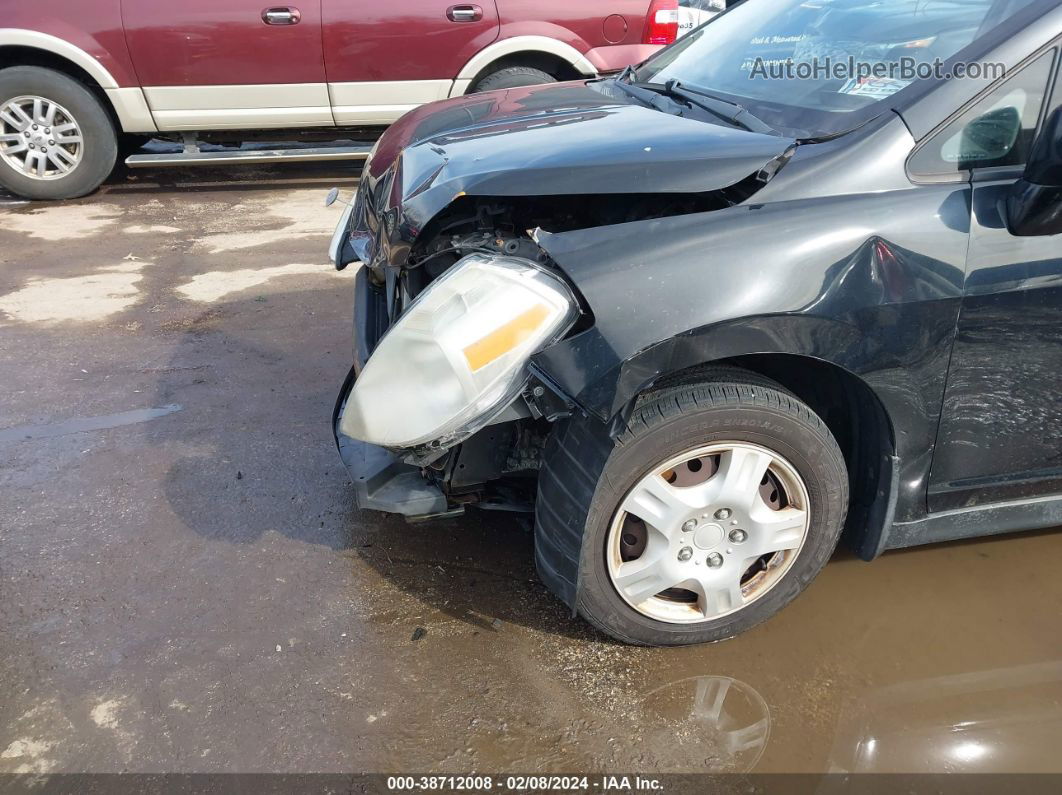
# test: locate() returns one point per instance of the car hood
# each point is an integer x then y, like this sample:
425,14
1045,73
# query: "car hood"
567,138
582,138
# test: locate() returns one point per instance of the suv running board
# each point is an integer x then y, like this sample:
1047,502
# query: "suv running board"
194,158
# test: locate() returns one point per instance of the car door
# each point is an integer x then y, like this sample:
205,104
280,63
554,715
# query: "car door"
1000,436
229,64
383,59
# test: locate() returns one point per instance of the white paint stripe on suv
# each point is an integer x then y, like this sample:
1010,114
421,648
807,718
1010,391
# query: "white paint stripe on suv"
239,106
382,102
287,105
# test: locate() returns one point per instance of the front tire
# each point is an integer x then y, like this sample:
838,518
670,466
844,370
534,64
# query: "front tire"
56,139
717,506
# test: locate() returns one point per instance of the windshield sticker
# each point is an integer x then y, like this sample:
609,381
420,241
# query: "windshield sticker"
758,63
873,87
761,40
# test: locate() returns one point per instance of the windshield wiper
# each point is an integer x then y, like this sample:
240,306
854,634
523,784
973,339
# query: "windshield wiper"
647,93
732,112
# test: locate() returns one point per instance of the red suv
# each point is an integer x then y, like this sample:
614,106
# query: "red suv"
83,80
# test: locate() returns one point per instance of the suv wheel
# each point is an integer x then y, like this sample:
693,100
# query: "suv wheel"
512,77
56,139
717,505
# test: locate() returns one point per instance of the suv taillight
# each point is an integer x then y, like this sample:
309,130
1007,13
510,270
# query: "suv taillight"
661,25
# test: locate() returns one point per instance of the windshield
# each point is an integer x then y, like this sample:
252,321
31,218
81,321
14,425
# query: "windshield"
807,65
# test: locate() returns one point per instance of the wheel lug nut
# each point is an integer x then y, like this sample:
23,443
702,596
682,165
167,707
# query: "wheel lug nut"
685,554
738,536
34,126
723,513
51,143
26,133
689,525
47,130
715,560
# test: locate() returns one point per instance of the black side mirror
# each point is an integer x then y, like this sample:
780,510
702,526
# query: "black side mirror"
1034,206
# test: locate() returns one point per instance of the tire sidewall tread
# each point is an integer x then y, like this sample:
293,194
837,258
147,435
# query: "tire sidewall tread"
511,77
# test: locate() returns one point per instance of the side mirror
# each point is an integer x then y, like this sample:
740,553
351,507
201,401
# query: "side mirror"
1034,206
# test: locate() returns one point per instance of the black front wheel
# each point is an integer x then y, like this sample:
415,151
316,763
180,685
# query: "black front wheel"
56,139
716,506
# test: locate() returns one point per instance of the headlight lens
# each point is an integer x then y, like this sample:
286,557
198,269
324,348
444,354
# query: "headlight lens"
459,352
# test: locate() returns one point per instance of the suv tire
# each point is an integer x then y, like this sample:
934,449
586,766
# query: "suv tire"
512,77
71,169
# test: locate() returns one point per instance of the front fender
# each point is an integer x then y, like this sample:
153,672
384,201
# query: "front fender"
869,283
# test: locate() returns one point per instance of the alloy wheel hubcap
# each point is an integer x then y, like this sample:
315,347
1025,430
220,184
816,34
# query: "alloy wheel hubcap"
39,138
708,532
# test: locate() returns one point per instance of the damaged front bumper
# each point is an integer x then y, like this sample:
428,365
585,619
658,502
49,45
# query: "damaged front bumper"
382,482
421,482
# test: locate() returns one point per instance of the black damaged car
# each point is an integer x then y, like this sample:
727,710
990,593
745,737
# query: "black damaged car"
704,322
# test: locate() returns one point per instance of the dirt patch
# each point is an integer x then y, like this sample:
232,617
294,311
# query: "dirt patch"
215,285
76,299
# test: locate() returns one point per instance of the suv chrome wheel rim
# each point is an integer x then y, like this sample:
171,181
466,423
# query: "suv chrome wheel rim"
708,532
39,138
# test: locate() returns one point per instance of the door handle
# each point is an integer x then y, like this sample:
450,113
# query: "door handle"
467,13
281,15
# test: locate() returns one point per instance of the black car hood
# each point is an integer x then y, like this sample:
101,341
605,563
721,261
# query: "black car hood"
568,138
562,139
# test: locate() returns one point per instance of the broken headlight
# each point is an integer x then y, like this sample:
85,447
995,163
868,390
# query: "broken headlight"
458,355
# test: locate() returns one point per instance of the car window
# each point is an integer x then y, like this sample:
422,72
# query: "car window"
997,131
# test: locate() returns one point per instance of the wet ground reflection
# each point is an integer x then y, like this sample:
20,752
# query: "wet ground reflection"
715,712
1002,720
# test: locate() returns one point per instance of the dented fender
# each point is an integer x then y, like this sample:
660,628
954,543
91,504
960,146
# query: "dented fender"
869,281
